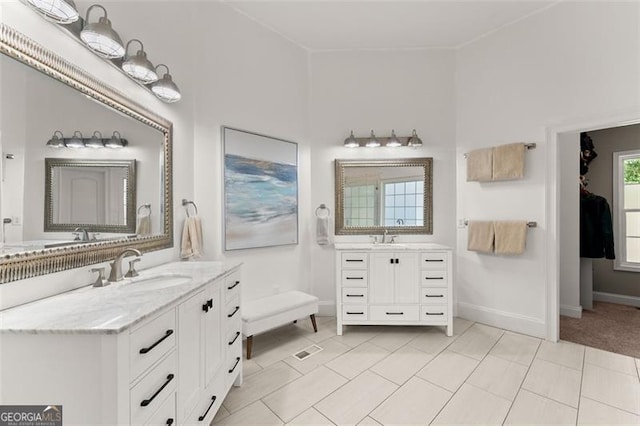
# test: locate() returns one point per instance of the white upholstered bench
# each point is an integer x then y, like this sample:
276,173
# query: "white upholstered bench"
273,311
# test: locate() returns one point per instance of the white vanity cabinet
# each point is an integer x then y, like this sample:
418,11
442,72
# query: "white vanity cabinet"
407,285
171,368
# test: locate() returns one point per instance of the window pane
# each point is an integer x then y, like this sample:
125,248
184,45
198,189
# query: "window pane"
411,213
389,200
633,250
410,188
632,196
633,224
399,200
420,187
400,188
389,189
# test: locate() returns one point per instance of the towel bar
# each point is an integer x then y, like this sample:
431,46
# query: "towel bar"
526,145
529,224
186,203
143,206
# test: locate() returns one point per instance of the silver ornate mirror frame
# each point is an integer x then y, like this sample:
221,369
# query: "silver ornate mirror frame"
52,163
23,265
425,163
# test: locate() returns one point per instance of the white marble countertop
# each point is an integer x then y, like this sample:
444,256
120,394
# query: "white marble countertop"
390,246
116,307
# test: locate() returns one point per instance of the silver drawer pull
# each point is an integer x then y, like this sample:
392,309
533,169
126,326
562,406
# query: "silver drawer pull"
395,313
434,295
434,313
355,313
355,295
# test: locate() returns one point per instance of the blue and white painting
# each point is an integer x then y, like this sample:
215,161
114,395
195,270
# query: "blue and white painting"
261,191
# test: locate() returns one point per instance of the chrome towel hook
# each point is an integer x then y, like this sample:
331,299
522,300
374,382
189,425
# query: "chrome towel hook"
186,203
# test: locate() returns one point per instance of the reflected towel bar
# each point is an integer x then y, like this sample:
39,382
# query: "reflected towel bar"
148,206
529,224
526,145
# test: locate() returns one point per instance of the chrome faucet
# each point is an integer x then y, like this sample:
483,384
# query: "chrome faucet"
83,231
116,265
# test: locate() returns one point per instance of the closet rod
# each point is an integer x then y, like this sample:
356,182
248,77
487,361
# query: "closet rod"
529,224
526,145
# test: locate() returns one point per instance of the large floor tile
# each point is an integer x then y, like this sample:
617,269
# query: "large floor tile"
294,398
282,349
357,360
432,341
471,405
402,364
391,339
610,387
563,353
249,367
448,370
354,335
498,376
416,403
221,414
529,409
259,385
621,363
311,417
595,413
254,414
368,421
331,349
477,341
554,381
516,348
354,401
460,325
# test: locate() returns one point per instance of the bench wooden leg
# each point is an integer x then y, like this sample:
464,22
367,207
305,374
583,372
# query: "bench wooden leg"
249,346
313,321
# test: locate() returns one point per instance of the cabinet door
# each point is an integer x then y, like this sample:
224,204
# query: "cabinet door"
190,340
381,277
407,278
213,335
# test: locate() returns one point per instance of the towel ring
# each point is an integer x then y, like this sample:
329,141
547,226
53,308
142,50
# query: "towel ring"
186,203
323,207
148,206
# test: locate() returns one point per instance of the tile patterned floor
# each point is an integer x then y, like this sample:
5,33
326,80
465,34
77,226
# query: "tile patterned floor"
417,376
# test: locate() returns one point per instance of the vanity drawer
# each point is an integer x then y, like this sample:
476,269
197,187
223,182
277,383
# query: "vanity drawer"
436,314
147,396
152,341
354,312
166,414
231,288
233,336
232,312
434,260
394,313
434,277
355,260
433,295
355,278
354,295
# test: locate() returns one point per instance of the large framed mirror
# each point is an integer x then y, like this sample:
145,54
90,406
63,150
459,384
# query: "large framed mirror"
373,196
44,97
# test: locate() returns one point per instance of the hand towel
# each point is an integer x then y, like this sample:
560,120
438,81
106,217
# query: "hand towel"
322,230
480,236
508,161
144,225
479,165
191,245
511,236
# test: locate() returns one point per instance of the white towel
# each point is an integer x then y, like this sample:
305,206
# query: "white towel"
144,225
508,161
322,230
480,236
479,165
511,236
191,238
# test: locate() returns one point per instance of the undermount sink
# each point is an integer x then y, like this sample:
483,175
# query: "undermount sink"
157,282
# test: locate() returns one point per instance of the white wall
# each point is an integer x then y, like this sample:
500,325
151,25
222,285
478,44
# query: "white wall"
380,90
571,61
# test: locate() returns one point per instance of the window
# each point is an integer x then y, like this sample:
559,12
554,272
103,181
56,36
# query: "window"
359,205
403,203
626,205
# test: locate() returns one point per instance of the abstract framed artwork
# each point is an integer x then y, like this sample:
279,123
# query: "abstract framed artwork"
260,190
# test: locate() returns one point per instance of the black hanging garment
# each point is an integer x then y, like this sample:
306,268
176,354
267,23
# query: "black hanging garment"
596,229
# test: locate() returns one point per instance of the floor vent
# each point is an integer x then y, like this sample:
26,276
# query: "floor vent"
307,352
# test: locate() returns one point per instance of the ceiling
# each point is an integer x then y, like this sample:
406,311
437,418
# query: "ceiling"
391,24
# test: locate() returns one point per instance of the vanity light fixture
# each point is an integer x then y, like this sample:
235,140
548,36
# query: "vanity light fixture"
95,141
138,66
372,142
100,36
414,140
351,141
59,11
115,141
165,88
75,141
393,141
55,141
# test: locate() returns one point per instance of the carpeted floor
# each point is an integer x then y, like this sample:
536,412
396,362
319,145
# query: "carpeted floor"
609,326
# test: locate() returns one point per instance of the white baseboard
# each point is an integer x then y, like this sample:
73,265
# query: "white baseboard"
571,311
616,298
326,308
506,320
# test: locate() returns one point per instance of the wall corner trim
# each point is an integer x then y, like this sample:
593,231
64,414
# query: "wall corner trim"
571,311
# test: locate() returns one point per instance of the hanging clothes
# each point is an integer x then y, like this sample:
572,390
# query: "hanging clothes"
596,228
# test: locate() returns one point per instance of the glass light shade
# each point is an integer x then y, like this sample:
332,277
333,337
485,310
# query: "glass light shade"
55,141
76,141
101,38
351,141
116,141
59,11
95,141
414,140
372,142
165,88
139,67
393,141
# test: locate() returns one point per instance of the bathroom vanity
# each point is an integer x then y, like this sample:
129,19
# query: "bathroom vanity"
394,284
159,349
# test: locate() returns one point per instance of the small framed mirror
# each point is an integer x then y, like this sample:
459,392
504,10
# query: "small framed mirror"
377,195
96,195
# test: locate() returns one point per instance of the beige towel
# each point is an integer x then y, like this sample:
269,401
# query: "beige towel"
508,161
479,165
191,238
480,236
144,225
511,236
